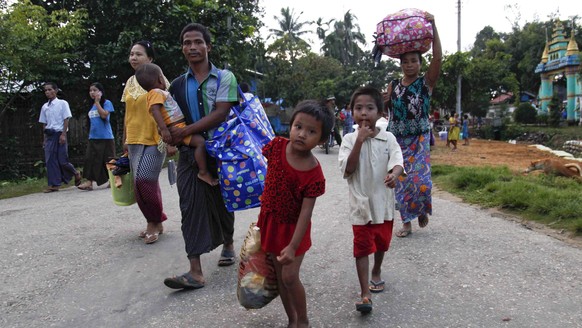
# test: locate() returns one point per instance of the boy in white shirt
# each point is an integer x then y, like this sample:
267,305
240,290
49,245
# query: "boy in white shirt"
371,161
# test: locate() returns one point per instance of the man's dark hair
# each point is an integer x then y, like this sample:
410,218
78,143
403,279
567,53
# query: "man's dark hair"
148,46
368,91
196,27
244,87
52,84
320,112
146,75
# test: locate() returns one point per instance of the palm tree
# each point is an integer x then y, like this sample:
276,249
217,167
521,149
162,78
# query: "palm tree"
289,33
343,43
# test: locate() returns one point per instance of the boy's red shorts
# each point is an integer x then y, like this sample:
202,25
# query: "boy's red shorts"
372,238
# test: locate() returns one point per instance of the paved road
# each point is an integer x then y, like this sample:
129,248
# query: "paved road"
73,259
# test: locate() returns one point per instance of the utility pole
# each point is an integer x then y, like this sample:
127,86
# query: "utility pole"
459,50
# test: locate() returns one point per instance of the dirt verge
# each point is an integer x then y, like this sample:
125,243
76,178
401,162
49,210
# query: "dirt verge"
517,157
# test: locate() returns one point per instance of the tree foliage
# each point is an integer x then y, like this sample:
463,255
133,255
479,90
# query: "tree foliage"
36,46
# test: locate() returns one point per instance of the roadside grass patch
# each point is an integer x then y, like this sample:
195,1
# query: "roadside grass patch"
9,189
555,201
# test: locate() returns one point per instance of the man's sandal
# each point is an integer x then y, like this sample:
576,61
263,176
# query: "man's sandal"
185,281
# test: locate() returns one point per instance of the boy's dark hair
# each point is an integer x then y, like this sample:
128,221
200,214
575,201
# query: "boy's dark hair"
147,74
368,91
244,87
196,27
148,46
320,112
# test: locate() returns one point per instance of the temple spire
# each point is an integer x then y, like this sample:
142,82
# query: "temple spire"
572,45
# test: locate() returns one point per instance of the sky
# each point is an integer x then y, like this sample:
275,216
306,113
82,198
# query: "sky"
475,15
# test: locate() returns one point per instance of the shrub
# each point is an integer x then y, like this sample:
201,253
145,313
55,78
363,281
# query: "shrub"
525,113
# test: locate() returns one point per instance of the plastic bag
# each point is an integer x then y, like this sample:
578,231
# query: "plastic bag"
257,280
237,145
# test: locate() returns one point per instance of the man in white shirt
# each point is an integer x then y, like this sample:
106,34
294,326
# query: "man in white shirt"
54,116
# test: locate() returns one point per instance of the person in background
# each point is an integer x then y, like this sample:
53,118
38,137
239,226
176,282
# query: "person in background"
465,130
54,116
141,139
371,161
348,120
293,183
330,104
244,87
101,146
409,103
454,131
205,94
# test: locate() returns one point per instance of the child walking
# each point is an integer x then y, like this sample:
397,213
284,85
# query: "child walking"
371,161
167,113
294,180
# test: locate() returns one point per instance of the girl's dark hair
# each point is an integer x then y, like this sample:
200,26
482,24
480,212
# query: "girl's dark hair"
320,112
369,91
148,46
196,27
100,87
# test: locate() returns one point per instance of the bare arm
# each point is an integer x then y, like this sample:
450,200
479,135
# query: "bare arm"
156,110
63,136
288,253
434,68
102,112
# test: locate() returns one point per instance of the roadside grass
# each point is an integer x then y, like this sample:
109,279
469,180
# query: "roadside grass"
10,189
554,201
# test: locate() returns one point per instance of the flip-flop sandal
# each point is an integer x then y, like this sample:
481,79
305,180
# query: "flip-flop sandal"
365,306
226,258
50,189
185,281
423,221
403,233
377,287
145,232
151,238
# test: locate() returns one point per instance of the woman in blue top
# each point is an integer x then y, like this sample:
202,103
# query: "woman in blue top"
101,147
409,106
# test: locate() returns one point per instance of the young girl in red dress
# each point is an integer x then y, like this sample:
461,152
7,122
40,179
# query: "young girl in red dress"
294,180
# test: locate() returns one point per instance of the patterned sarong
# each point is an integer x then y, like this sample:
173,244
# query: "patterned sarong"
146,163
413,192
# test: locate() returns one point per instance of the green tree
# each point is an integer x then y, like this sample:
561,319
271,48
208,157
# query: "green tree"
343,43
35,46
288,36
